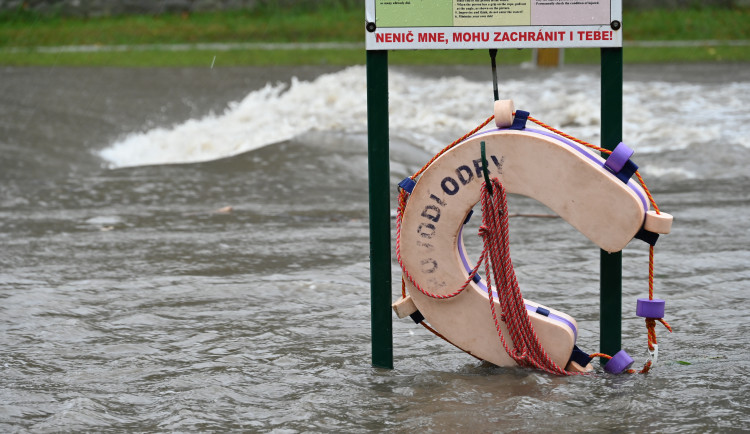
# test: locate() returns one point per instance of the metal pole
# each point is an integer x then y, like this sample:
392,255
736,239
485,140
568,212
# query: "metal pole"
493,63
610,264
380,214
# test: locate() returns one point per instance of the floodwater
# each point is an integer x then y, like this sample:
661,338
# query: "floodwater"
132,299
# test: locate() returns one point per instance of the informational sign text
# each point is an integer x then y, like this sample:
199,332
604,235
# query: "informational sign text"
454,24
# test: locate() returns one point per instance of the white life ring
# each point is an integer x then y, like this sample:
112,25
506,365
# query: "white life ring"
562,175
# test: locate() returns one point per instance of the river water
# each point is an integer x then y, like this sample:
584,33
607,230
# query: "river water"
133,299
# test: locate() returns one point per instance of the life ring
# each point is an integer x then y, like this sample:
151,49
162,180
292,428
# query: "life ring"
560,174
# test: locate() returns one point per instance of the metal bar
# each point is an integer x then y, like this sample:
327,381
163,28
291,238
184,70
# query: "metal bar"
610,264
380,215
493,63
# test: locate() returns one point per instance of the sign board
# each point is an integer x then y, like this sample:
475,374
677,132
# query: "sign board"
467,24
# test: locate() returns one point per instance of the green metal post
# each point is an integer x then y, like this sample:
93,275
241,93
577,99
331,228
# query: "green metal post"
610,264
380,214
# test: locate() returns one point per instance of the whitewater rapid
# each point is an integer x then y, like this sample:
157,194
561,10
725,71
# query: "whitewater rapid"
431,112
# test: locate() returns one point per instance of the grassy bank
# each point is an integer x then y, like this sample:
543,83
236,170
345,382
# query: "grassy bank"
21,33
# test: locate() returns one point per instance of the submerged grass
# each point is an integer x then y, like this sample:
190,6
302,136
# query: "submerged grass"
22,32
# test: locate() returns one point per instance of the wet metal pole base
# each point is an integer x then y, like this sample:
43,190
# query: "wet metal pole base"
610,264
380,215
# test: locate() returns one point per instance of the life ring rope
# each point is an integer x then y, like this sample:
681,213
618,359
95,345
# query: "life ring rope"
523,339
597,148
526,351
482,258
547,127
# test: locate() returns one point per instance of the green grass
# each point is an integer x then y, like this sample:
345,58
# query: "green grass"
334,24
24,31
687,24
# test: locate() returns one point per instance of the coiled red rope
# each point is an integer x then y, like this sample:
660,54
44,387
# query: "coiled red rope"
526,351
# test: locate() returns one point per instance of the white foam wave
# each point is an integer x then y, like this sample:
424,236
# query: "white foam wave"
662,116
272,114
676,173
430,112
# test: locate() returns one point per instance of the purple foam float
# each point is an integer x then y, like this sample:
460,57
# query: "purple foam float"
646,308
619,363
619,157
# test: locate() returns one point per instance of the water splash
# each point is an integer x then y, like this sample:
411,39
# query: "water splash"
430,112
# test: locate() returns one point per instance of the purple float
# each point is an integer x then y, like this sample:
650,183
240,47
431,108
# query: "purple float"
619,157
619,363
646,308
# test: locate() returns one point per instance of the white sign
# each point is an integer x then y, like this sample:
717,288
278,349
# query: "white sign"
466,24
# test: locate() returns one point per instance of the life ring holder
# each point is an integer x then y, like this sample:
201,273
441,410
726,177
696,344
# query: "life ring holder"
571,181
